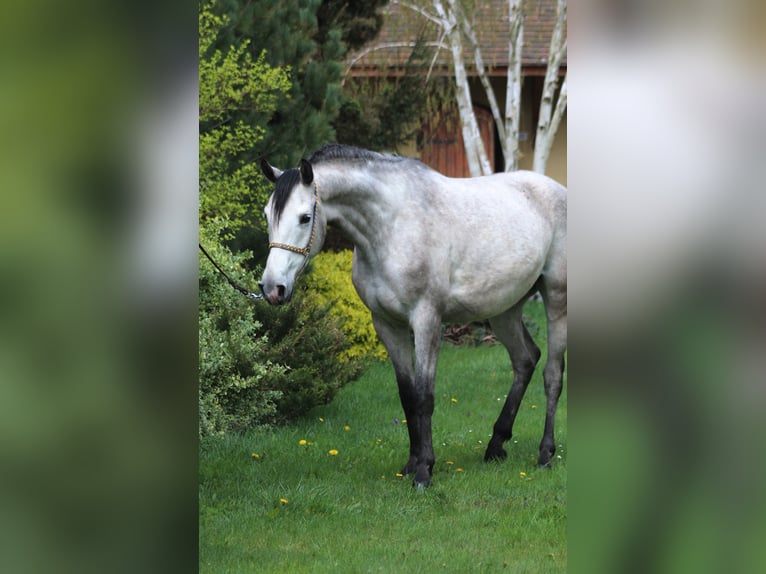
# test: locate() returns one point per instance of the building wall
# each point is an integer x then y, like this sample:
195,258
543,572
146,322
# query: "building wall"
530,101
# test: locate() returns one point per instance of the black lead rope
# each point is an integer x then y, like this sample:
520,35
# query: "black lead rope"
237,286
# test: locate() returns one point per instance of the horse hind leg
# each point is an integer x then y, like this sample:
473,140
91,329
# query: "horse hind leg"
555,299
524,353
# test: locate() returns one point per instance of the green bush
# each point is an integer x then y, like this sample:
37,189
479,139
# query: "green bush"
310,343
259,364
329,284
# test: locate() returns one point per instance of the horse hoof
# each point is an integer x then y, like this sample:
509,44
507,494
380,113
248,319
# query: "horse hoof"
422,480
495,454
544,461
421,485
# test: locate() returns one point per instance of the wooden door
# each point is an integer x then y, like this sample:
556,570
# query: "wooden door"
441,142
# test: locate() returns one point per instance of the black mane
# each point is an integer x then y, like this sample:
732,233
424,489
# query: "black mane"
283,188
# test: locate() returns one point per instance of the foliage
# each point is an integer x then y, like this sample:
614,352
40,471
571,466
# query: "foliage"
359,21
329,283
383,115
311,344
234,376
232,83
260,364
289,31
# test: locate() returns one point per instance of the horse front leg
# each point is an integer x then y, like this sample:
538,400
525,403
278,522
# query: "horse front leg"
426,326
397,341
416,386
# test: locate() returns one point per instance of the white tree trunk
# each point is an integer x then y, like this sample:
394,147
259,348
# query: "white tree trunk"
546,129
478,162
454,25
481,70
558,113
513,86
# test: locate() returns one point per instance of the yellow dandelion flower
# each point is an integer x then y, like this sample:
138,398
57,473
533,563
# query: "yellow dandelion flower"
453,400
321,420
450,462
399,475
332,452
458,469
302,442
404,421
283,500
346,428
255,455
534,406
523,474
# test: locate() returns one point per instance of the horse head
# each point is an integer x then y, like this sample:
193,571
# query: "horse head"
296,229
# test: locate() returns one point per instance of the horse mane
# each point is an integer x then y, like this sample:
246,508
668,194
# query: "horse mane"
333,152
282,190
341,152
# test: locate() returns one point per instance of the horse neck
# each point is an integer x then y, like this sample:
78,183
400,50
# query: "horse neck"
359,202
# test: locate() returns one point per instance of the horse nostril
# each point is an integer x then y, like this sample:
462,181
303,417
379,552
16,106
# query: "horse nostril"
281,290
260,286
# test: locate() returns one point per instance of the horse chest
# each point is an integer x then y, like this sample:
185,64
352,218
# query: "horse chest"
389,289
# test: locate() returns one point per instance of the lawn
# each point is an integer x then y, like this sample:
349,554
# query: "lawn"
322,494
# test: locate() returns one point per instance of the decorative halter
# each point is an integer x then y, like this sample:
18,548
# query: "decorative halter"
303,250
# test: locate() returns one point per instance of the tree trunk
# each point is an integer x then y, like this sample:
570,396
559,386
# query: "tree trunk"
513,87
546,130
481,70
478,163
454,24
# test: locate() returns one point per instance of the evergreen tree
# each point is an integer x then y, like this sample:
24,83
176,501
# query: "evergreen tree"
295,39
359,21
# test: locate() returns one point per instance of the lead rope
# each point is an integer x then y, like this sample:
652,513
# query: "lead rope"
237,286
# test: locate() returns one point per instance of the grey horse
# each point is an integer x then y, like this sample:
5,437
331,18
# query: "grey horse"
430,249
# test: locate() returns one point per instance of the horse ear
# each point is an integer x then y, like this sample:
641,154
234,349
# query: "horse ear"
271,173
307,173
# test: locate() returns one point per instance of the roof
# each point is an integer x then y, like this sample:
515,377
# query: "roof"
393,46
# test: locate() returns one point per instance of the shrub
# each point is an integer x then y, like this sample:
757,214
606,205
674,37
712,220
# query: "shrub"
310,343
233,374
329,284
259,364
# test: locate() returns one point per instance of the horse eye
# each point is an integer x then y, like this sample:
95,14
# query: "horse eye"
305,219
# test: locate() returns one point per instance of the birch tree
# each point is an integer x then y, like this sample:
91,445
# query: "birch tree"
550,113
455,24
453,20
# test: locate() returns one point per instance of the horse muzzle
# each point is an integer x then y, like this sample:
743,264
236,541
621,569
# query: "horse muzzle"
275,294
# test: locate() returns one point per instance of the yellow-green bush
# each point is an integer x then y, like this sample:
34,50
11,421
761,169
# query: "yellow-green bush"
329,283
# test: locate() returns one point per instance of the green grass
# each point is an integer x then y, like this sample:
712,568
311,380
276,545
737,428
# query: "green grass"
350,512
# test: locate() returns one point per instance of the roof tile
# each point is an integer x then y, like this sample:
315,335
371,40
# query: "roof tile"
402,25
